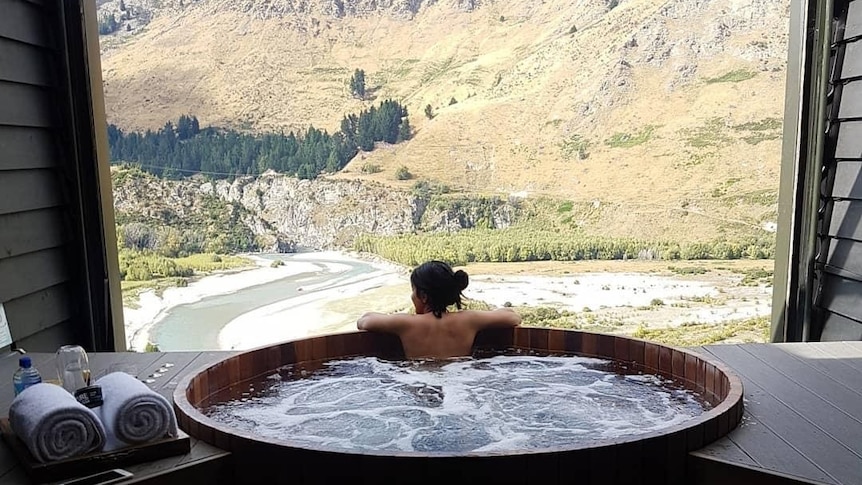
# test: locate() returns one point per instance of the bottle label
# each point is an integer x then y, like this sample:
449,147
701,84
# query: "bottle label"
25,382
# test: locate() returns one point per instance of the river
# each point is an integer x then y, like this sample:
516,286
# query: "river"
315,293
196,326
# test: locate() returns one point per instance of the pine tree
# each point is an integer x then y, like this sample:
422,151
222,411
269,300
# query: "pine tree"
404,131
168,130
357,83
184,128
348,127
332,163
360,83
390,112
365,134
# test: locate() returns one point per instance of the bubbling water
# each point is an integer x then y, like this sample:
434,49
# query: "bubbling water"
497,404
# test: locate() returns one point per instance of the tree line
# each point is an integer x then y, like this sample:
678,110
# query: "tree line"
184,148
517,244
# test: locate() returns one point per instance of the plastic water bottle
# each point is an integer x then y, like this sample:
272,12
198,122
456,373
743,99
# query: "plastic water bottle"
25,376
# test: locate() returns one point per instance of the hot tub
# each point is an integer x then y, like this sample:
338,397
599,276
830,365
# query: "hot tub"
651,457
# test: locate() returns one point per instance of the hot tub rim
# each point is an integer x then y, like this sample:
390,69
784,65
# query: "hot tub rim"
733,398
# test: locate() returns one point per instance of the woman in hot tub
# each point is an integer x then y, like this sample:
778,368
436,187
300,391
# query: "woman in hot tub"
434,331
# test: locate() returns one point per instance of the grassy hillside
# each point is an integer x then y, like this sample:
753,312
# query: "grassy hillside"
654,118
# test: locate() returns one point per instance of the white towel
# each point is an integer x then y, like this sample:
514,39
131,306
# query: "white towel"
53,425
132,413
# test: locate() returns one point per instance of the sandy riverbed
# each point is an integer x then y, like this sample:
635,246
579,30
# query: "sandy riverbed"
310,312
263,325
151,306
628,295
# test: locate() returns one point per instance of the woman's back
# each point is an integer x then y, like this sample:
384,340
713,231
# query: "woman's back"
451,335
434,331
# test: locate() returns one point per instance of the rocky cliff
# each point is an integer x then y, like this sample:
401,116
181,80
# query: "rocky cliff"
286,213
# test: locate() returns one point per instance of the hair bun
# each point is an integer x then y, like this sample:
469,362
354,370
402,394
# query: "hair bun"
462,279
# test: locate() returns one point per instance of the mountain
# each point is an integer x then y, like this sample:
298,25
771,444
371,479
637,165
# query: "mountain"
655,118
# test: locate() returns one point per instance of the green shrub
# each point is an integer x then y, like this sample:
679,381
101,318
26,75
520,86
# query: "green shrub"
148,265
694,334
403,173
370,168
766,124
690,270
710,134
575,147
144,266
736,76
424,189
755,277
629,140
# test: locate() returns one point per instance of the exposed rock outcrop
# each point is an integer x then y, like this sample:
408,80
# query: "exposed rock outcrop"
286,213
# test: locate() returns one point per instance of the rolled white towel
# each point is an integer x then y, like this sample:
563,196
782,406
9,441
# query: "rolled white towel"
132,413
53,425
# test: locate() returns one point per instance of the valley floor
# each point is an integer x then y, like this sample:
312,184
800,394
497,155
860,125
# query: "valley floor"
683,303
679,303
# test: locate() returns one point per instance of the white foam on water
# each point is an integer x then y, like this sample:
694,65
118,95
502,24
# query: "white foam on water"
503,403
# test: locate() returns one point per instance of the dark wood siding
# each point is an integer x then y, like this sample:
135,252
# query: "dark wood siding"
23,21
26,190
11,69
24,105
25,148
26,232
35,276
839,262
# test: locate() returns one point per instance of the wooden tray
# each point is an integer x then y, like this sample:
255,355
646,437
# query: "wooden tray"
94,462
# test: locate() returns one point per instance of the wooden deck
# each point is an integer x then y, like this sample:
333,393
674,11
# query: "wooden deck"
204,464
803,419
803,416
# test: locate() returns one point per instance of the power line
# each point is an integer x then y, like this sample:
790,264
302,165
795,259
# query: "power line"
186,170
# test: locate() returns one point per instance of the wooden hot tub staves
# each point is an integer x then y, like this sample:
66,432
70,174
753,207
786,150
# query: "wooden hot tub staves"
649,458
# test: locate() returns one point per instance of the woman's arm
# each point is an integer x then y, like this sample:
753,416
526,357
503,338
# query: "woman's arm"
502,317
381,322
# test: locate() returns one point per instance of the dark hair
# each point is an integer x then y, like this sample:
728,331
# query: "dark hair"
440,286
